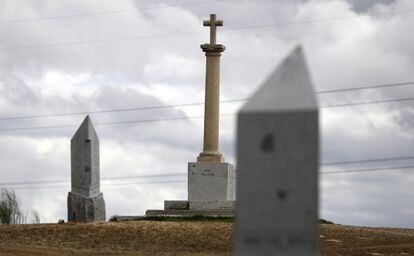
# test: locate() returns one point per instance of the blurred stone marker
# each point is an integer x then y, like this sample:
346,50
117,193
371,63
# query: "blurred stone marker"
277,165
85,201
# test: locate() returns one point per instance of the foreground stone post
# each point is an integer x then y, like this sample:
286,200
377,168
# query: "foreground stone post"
278,159
85,201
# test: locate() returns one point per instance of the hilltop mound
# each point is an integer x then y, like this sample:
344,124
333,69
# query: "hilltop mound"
182,238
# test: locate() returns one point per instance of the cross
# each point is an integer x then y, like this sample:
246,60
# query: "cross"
212,23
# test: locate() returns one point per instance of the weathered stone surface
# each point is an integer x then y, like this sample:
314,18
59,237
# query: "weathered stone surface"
212,97
208,205
176,205
189,213
277,171
211,182
85,160
85,201
86,209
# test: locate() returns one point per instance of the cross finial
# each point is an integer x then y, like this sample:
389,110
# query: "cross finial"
212,23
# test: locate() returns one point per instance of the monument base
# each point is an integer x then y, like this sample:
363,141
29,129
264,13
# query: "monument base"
86,209
198,205
211,192
211,182
190,213
183,208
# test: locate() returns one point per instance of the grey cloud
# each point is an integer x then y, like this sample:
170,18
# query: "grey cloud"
348,53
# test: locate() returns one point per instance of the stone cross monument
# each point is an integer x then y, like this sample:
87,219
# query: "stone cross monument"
212,96
277,165
211,189
85,201
210,179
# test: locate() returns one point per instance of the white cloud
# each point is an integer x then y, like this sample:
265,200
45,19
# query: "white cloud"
364,49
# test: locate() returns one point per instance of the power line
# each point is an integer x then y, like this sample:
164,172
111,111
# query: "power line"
176,181
79,15
367,103
368,160
14,183
114,110
189,104
109,123
110,184
188,33
192,117
288,23
103,178
370,170
366,87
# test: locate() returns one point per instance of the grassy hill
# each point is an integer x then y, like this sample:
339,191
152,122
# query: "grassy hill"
182,238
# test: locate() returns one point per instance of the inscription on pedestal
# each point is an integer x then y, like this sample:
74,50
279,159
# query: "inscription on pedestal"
210,182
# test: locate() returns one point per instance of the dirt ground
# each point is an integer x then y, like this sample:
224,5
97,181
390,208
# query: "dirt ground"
182,238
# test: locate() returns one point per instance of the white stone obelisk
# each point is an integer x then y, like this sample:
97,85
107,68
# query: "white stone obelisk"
85,201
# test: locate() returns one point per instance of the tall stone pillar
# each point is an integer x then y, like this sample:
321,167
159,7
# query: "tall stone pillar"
212,105
212,97
85,201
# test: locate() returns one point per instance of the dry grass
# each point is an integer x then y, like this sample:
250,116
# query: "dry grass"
182,238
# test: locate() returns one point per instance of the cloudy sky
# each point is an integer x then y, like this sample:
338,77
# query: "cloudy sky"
59,57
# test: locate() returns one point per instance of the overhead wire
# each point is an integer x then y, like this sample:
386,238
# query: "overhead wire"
103,178
109,184
80,15
368,170
179,174
199,103
192,117
57,44
371,160
114,110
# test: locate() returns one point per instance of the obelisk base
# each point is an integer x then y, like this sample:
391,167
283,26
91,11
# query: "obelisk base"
86,209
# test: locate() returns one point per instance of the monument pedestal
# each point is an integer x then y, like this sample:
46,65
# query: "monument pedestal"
211,192
86,209
210,182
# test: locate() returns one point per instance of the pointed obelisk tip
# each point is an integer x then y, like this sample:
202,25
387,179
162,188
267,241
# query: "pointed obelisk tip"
87,118
86,129
297,50
288,87
87,121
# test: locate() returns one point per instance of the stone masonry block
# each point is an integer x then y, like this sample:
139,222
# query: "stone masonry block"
86,209
211,182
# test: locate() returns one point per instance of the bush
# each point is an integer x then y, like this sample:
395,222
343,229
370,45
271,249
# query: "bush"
10,212
114,218
323,221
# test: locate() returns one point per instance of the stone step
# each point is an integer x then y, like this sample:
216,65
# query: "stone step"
191,213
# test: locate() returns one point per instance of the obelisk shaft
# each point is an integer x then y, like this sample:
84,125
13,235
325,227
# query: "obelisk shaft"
212,97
